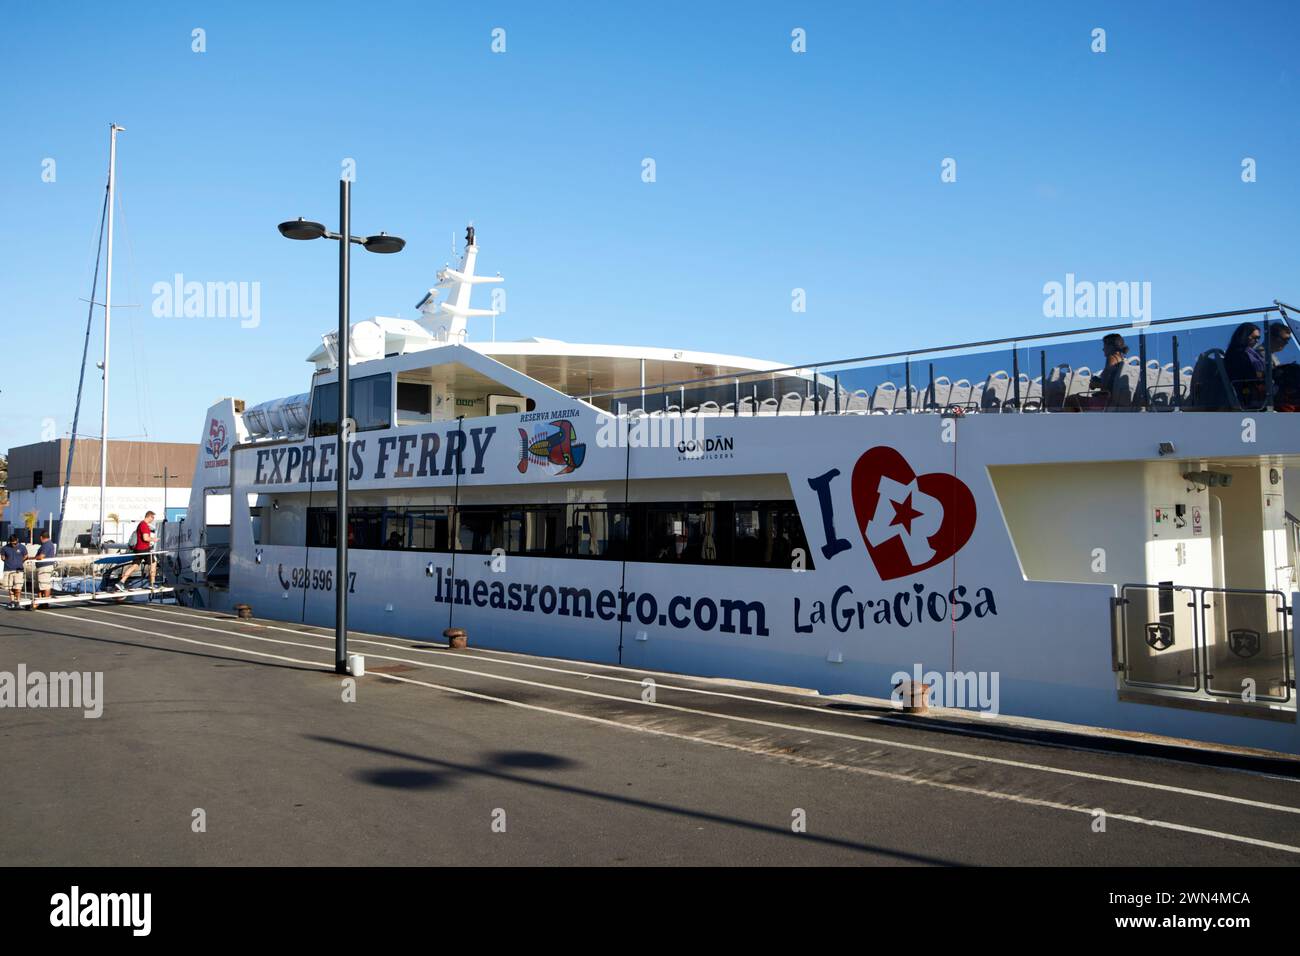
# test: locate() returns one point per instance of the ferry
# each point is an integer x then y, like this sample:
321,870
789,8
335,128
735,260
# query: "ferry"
982,516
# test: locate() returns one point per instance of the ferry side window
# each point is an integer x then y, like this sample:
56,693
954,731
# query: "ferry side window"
369,399
480,529
748,545
324,410
320,528
396,532
543,533
365,528
430,530
788,536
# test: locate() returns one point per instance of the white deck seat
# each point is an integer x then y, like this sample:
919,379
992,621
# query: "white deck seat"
1080,381
1031,393
1125,389
937,394
976,401
710,408
997,389
960,393
791,404
901,403
1161,385
1056,387
884,398
859,402
768,406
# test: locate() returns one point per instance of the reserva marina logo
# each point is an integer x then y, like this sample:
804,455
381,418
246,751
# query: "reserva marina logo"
552,448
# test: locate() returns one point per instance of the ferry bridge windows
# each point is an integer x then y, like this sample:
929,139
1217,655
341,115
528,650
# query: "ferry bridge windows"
753,534
369,405
414,402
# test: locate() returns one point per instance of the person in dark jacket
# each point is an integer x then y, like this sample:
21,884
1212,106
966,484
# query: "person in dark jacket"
1245,365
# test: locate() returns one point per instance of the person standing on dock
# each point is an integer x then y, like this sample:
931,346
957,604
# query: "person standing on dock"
44,566
13,555
144,546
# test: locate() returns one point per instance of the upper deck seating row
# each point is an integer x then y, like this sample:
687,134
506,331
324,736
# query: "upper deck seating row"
1206,386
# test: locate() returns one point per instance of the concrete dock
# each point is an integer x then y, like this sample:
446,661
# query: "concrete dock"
233,742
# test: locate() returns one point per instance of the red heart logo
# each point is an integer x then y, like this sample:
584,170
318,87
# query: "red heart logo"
909,522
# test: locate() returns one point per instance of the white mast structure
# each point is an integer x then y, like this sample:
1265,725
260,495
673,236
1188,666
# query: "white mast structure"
113,130
447,320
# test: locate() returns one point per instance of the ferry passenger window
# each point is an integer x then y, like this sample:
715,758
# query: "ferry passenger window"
685,533
429,530
321,527
597,531
760,534
479,529
368,405
749,546
365,528
396,535
541,531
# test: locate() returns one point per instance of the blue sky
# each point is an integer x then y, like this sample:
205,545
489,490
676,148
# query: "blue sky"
775,170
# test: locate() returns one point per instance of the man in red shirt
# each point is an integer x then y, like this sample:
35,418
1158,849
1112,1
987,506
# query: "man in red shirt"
144,545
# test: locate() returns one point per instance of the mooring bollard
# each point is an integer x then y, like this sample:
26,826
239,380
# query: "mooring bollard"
915,696
456,637
243,611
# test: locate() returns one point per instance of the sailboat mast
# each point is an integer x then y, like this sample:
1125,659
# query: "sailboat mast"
113,130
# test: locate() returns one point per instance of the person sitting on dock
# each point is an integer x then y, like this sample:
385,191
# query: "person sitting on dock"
13,555
45,566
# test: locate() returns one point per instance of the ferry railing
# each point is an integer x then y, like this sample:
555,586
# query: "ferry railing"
1221,642
1165,369
90,575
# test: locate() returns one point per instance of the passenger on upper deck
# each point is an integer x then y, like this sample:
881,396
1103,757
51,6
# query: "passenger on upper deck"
1115,349
1245,365
1286,376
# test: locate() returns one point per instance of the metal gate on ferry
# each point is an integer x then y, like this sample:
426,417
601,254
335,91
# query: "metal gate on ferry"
1206,641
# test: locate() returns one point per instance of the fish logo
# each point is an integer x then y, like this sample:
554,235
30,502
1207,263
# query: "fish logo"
551,448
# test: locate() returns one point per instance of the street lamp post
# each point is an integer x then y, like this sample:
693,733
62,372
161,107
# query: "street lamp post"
382,243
